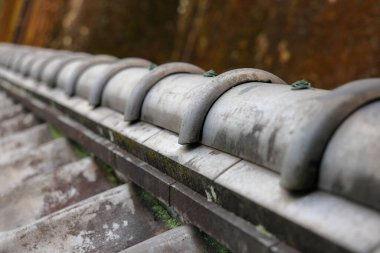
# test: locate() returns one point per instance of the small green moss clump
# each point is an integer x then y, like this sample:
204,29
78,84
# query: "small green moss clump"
54,132
108,171
79,151
261,229
159,210
214,245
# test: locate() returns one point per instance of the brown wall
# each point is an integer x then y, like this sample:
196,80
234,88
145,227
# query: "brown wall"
326,42
10,12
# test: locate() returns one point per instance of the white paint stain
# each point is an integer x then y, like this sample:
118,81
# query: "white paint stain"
109,231
211,195
111,135
208,195
84,242
61,197
100,130
115,226
110,235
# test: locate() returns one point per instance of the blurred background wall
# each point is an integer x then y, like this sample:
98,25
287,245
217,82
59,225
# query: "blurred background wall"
327,42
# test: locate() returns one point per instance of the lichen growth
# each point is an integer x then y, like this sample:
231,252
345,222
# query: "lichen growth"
261,229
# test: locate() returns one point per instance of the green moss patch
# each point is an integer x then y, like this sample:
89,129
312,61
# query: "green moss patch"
214,245
109,172
54,132
159,210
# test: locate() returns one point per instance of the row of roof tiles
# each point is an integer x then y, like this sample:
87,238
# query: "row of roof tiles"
308,136
313,138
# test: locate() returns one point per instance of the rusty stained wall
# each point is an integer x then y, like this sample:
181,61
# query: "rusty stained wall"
42,21
328,42
10,12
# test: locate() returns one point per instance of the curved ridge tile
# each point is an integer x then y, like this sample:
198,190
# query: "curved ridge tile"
196,112
257,121
303,156
35,63
351,163
95,95
9,54
16,65
134,103
36,70
88,77
50,73
120,86
16,55
168,99
28,60
72,79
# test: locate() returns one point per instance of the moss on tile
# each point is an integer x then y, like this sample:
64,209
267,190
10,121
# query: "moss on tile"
214,245
54,132
79,151
261,229
109,172
159,210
